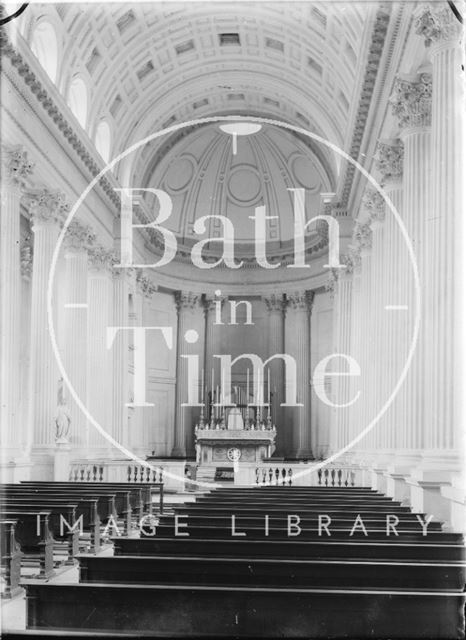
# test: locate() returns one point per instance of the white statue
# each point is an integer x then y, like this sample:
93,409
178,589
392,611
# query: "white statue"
62,416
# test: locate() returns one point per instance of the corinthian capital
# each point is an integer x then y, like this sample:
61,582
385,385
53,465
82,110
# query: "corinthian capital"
26,257
412,101
146,286
362,236
274,302
331,283
186,301
100,258
15,166
300,300
48,206
374,205
210,302
389,159
436,22
79,236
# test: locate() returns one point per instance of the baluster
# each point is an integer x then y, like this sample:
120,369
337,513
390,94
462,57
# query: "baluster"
283,476
270,475
332,473
290,476
257,475
135,470
346,477
94,473
326,476
339,472
352,478
277,473
101,472
319,476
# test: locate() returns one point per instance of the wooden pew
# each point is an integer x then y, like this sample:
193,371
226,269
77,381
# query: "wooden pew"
34,536
115,504
249,571
11,555
191,611
449,547
86,510
58,509
146,489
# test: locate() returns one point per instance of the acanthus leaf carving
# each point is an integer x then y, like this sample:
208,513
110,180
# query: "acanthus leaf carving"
411,101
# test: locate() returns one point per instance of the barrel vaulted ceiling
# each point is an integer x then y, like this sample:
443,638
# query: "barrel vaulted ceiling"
150,65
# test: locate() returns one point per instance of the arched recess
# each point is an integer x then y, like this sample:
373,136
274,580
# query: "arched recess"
103,139
44,45
77,100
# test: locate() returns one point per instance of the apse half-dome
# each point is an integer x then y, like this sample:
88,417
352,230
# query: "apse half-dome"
214,171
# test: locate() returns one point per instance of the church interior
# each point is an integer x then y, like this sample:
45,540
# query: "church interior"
231,285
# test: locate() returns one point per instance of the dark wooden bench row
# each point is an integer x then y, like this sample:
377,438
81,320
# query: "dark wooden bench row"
191,611
272,572
62,511
449,548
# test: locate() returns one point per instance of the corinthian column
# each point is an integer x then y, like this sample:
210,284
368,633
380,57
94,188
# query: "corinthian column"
78,239
342,298
297,344
442,32
189,320
362,239
389,162
411,103
275,344
99,358
48,209
15,170
120,353
374,205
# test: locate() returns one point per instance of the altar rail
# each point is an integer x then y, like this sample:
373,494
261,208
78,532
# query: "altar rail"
299,475
115,471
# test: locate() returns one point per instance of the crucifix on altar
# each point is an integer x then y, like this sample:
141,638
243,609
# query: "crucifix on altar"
236,425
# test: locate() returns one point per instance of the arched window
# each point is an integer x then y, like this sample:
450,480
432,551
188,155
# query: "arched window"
103,140
77,100
45,47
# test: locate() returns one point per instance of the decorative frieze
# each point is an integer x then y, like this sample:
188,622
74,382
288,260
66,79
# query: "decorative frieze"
15,166
389,160
412,101
47,206
437,24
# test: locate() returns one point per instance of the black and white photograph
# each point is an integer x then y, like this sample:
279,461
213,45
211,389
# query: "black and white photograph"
233,319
